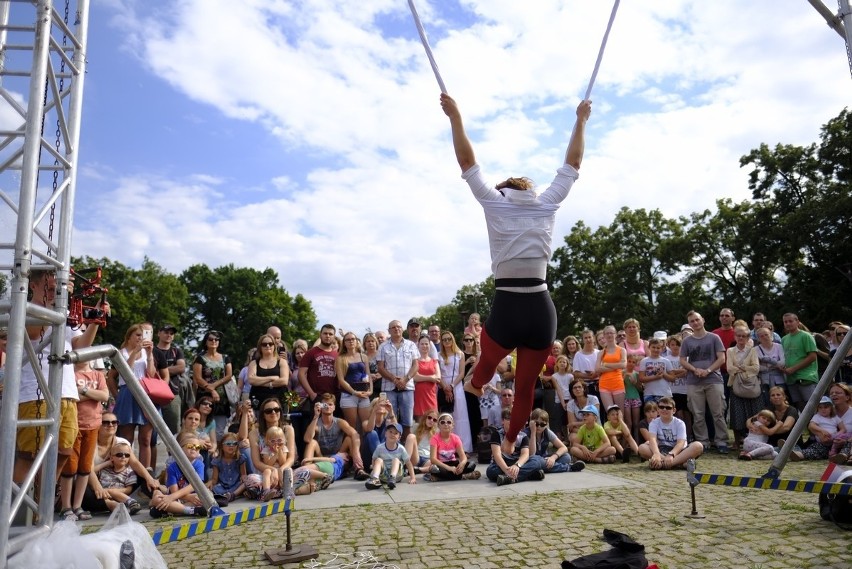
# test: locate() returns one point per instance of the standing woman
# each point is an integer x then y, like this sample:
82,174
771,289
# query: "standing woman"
371,350
771,358
572,346
449,364
426,380
633,342
844,372
355,385
211,370
471,401
585,362
520,233
268,373
139,356
612,360
742,359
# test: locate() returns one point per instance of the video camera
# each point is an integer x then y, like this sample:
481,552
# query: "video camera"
86,289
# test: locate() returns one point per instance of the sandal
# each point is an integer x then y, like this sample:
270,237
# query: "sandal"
82,515
475,475
133,506
267,495
325,482
68,515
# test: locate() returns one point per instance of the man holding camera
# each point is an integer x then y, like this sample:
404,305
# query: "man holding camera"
397,364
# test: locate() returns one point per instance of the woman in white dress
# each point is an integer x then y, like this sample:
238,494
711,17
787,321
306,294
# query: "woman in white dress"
451,363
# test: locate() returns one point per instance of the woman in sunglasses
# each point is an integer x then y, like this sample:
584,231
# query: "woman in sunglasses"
449,461
270,415
268,373
211,370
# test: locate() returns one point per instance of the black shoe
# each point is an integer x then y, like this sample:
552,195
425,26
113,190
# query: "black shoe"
199,511
373,484
391,483
156,514
537,475
362,475
469,467
625,456
502,480
577,466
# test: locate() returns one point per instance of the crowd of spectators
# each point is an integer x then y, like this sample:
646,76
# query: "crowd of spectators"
388,407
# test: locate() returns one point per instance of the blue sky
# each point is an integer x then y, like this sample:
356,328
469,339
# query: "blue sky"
307,136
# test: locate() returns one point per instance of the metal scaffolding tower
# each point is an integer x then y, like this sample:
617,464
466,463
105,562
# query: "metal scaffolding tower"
42,71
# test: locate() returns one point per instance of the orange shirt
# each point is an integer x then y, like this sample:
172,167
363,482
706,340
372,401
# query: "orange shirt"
612,380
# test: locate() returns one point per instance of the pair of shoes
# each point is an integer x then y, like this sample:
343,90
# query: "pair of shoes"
744,456
577,466
67,515
625,456
133,506
373,484
391,484
199,511
82,515
361,475
326,481
474,475
502,480
537,475
723,449
839,458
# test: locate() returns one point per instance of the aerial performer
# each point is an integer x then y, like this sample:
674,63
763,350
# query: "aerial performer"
520,234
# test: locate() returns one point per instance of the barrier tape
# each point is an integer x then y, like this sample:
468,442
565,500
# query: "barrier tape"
207,525
808,486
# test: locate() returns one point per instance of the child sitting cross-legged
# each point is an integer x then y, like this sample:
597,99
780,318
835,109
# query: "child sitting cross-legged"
755,444
592,442
113,481
667,446
228,469
181,498
388,459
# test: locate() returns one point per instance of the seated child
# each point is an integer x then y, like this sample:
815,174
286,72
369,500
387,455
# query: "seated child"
446,455
650,411
755,444
273,454
113,481
388,459
824,428
558,459
181,498
619,434
592,442
516,467
228,469
667,445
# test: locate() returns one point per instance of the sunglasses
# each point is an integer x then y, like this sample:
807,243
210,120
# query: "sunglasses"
277,441
446,339
206,404
665,407
266,344
445,422
230,443
121,454
540,424
194,447
468,340
839,334
272,410
212,339
109,423
431,418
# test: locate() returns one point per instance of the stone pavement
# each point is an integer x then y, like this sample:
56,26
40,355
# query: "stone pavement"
475,524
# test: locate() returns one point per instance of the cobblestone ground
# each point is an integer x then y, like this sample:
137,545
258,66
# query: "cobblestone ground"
743,528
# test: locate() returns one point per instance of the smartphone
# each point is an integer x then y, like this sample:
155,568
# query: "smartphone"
147,334
383,396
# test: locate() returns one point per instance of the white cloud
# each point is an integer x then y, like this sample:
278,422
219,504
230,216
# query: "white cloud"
384,228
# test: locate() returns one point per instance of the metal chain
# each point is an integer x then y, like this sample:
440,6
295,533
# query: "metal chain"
848,47
58,129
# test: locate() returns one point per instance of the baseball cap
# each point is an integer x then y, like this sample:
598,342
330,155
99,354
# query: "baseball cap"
610,408
395,426
589,409
685,327
169,327
661,334
826,400
414,322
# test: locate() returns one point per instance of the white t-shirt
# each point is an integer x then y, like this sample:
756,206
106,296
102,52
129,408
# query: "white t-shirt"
564,381
829,424
29,384
668,434
847,420
585,362
654,366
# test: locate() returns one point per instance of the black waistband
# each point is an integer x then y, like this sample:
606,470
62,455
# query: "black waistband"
503,283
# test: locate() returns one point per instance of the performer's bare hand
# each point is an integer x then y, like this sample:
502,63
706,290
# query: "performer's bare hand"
450,107
584,110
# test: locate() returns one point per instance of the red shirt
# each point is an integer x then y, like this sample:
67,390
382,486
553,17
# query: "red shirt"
728,340
321,374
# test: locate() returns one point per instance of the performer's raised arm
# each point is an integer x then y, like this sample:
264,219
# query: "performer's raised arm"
463,148
577,144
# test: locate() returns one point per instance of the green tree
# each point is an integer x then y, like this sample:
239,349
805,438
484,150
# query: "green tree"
242,303
808,194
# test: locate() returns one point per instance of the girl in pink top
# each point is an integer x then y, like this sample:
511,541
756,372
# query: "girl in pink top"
449,461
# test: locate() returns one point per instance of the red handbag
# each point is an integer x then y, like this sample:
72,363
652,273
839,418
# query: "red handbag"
158,390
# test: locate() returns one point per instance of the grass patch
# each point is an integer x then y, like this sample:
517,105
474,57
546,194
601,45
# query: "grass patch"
797,507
